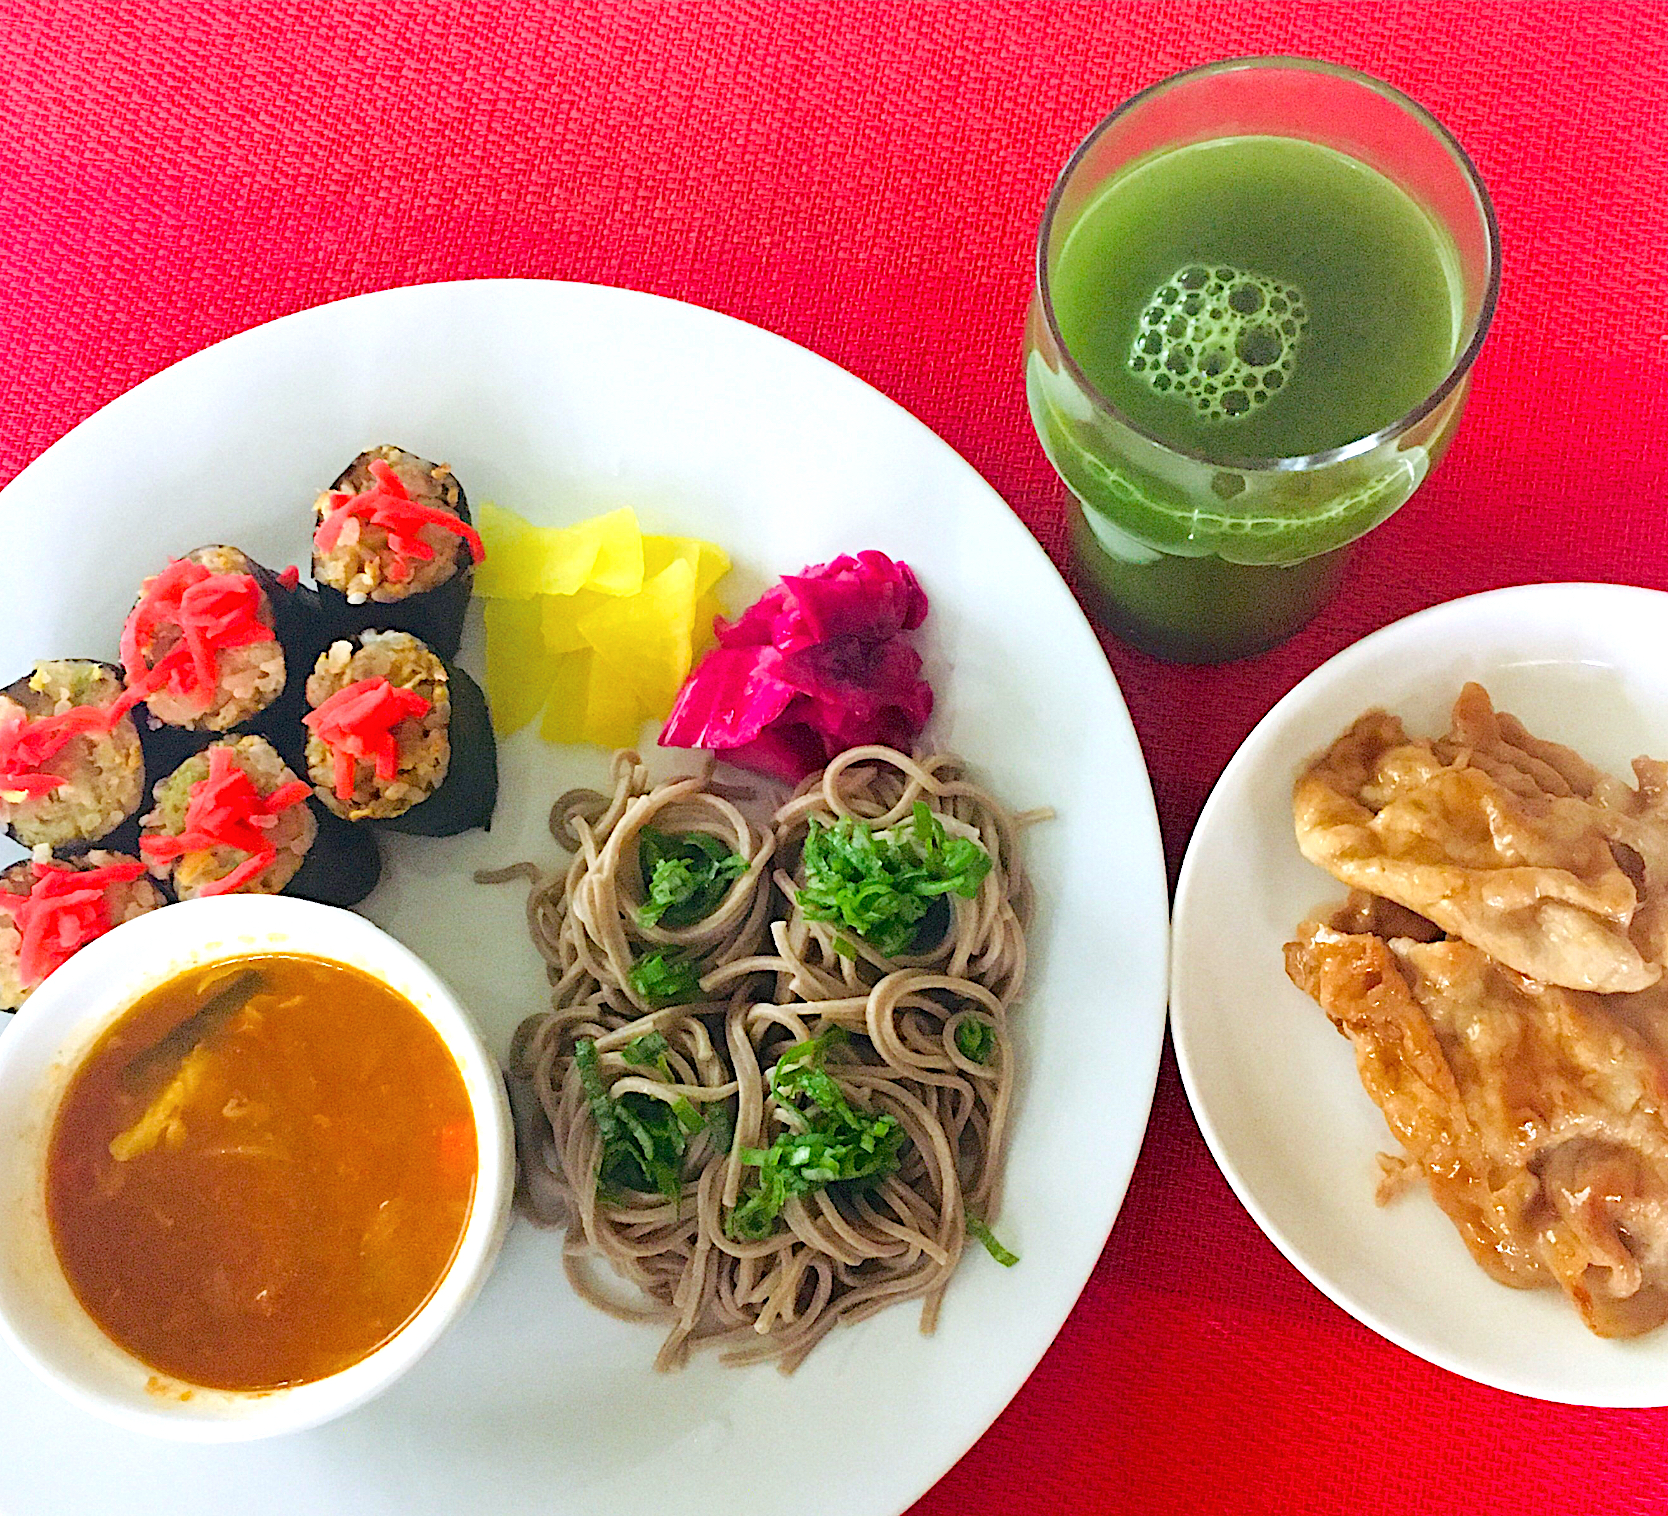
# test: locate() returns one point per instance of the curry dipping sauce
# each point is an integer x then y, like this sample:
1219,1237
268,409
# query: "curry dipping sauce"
261,1172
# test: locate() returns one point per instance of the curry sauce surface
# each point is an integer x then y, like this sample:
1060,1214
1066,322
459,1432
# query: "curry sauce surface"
261,1172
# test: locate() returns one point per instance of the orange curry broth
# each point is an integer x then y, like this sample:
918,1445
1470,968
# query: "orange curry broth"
296,1174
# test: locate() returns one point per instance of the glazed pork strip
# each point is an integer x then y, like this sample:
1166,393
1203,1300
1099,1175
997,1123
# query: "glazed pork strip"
1514,845
1534,1114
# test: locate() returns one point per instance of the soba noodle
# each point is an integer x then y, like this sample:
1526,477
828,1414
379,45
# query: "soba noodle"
770,979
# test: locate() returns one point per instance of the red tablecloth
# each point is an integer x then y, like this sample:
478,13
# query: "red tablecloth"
866,178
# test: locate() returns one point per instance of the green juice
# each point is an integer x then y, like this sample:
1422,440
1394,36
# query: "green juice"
1243,299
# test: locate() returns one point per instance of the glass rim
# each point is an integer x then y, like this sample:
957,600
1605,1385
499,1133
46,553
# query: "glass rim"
1457,370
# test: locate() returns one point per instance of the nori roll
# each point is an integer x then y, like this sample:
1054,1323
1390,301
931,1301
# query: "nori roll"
50,909
235,818
217,642
393,547
400,737
342,866
72,767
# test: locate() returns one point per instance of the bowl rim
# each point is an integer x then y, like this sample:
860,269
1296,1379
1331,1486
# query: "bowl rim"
50,1038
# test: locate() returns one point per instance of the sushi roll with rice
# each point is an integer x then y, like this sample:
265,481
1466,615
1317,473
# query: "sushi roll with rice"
234,818
51,908
72,768
216,642
201,645
398,736
393,547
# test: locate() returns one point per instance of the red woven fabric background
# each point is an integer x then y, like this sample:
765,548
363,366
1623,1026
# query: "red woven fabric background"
865,178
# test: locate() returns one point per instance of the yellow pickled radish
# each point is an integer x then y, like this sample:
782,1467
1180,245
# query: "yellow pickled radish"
706,608
523,560
709,561
614,715
564,711
595,623
589,702
660,552
647,637
561,615
618,568
712,564
518,673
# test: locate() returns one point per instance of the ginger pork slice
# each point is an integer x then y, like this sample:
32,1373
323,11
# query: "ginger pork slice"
1514,845
1534,1114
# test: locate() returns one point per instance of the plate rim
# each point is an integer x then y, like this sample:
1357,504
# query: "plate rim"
1140,805
1260,735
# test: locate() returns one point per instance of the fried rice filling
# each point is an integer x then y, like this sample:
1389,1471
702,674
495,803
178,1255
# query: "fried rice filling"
378,735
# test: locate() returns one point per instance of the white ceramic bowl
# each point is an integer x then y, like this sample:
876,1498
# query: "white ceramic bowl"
59,1024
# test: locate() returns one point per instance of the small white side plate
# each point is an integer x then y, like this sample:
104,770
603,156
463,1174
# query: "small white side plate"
1274,1087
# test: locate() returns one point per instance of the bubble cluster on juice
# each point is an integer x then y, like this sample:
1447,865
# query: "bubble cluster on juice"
1222,339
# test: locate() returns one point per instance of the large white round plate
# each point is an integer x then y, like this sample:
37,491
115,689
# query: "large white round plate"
560,401
1274,1087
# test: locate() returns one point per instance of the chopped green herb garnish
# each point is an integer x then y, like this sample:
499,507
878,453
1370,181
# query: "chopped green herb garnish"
977,1228
644,1138
650,1048
596,1092
77,684
837,1144
721,1126
173,795
880,884
663,979
686,876
649,1051
976,1039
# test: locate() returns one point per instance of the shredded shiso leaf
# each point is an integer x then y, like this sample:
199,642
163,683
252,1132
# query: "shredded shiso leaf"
881,884
976,1039
173,795
662,978
644,1139
977,1229
76,686
836,1144
686,876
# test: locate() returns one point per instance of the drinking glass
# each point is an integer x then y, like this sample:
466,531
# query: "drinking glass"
1202,557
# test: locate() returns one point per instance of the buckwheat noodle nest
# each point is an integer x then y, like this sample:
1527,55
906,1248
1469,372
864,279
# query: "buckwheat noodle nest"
770,979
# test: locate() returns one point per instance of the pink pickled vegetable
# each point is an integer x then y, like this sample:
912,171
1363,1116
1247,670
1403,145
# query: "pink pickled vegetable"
818,664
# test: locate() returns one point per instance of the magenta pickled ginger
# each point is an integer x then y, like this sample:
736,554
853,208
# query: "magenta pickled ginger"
816,665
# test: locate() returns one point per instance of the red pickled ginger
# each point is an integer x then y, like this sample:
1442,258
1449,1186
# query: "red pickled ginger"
64,910
817,665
